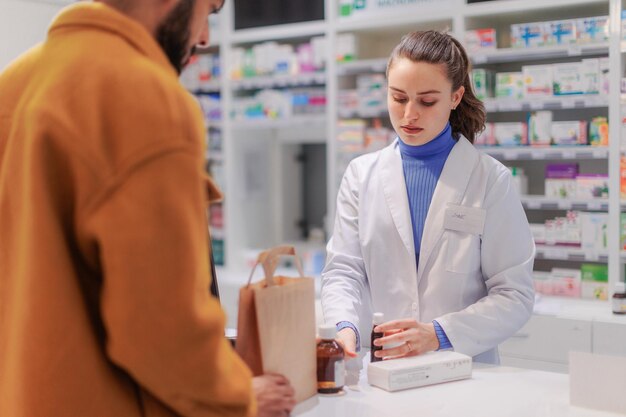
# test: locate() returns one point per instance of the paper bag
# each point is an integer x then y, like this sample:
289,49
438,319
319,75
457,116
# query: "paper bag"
276,324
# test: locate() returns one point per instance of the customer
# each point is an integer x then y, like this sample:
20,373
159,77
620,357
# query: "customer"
429,230
104,270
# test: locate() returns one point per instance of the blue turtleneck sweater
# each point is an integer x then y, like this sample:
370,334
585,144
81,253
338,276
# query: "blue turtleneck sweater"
422,166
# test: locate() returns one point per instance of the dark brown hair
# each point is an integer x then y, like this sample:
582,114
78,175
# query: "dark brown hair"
436,47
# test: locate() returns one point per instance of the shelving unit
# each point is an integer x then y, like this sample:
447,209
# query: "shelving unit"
264,181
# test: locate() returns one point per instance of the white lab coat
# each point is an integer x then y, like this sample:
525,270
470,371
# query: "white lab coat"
476,260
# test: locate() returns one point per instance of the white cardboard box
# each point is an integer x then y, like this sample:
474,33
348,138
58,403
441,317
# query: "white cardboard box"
418,371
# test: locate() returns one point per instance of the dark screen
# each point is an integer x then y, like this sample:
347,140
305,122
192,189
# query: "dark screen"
256,13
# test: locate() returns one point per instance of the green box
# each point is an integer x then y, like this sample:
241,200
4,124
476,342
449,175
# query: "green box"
594,272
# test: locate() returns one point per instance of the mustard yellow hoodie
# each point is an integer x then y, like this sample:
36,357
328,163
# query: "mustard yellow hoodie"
104,274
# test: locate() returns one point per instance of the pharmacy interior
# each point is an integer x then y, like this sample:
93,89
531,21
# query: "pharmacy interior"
291,94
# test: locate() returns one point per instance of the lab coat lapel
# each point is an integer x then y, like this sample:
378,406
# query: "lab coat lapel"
394,188
450,189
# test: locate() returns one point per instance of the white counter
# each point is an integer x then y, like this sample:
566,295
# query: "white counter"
493,391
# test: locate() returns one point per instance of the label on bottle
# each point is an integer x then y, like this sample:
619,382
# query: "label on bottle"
619,305
340,373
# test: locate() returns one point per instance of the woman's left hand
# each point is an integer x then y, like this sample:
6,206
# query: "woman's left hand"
410,337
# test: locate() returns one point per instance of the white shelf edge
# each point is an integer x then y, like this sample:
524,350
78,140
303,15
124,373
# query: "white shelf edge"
362,65
581,101
515,6
286,31
546,153
545,52
269,81
290,122
539,202
559,253
393,19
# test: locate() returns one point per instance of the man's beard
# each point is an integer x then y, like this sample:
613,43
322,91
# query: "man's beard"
173,34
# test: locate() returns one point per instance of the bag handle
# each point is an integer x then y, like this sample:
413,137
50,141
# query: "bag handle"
269,260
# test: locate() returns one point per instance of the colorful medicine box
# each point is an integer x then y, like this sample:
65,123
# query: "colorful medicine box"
592,29
509,85
480,40
510,134
568,133
561,32
538,80
527,35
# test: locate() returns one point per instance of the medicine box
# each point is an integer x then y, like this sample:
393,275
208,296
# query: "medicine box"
510,134
538,80
482,82
560,180
560,32
418,371
594,230
566,282
540,128
480,40
542,281
599,131
589,186
525,35
592,29
576,78
595,279
485,137
568,133
509,85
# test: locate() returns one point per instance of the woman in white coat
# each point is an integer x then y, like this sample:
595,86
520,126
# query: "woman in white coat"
429,230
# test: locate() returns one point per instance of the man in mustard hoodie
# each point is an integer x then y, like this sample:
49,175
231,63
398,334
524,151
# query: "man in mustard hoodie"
104,271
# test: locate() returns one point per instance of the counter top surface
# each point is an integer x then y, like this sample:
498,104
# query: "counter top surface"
492,391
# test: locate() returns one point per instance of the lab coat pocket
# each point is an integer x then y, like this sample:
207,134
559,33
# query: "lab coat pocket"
463,226
463,255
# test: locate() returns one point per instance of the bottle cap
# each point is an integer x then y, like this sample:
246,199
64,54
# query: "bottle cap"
378,318
620,287
327,331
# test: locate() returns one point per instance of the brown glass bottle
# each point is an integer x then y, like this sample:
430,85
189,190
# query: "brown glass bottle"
377,319
619,298
330,361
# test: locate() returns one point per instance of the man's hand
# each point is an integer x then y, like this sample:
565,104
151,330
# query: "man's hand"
274,395
347,339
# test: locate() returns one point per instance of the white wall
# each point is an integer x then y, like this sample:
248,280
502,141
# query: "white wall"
24,23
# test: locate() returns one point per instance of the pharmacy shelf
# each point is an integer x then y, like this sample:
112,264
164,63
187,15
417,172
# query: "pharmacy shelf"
539,202
523,6
291,122
362,66
213,86
433,15
547,153
278,81
538,53
278,32
546,103
351,114
570,254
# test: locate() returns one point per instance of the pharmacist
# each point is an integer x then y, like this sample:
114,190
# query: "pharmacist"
429,231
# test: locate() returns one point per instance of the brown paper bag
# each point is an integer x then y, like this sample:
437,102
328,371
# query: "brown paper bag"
276,324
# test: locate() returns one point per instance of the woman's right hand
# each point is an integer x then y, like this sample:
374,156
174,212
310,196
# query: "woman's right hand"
347,339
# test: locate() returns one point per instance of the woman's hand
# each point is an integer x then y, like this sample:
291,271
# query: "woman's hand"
347,339
413,338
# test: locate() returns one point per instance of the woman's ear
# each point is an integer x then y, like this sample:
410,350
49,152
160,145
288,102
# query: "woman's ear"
457,96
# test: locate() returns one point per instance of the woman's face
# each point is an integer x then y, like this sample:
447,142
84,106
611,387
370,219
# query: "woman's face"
420,98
